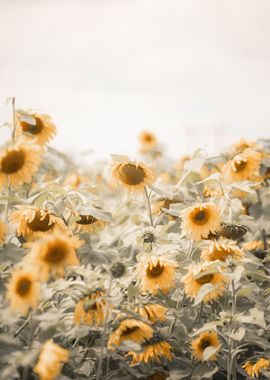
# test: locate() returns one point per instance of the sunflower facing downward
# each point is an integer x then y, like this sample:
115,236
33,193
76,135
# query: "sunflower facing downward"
133,176
255,369
35,126
156,273
130,329
148,141
200,220
88,223
199,275
3,232
221,250
152,312
203,341
34,223
23,291
91,309
18,163
50,361
244,166
52,254
152,350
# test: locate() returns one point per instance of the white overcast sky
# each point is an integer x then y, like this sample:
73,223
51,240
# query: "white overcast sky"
196,72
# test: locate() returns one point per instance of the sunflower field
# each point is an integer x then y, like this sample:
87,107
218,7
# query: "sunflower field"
123,269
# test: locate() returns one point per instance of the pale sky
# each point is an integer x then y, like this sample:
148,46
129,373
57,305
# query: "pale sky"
195,72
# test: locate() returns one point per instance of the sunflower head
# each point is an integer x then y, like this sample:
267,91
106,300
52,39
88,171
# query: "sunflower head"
148,141
133,176
200,220
202,342
88,223
257,368
91,309
23,291
221,250
233,231
152,312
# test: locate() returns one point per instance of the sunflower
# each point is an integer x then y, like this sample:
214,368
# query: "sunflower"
200,220
50,361
148,141
156,273
130,329
18,163
203,341
152,350
244,166
75,180
242,145
221,250
253,245
212,190
254,369
52,254
88,223
34,223
91,309
3,232
35,126
133,176
152,312
159,205
199,275
23,291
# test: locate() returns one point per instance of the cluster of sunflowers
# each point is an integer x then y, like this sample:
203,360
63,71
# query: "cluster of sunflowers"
152,269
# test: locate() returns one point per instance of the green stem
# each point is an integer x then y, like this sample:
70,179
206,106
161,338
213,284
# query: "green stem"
231,366
149,206
14,119
8,196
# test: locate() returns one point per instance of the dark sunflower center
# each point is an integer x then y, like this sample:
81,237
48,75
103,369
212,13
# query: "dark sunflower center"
155,271
23,287
89,305
205,279
240,165
200,217
86,219
130,330
205,343
13,161
131,174
148,138
39,224
56,253
31,128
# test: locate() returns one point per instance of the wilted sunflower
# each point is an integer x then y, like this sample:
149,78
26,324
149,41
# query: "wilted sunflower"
130,329
18,163
221,250
3,232
200,220
133,176
152,350
203,341
152,312
254,369
156,273
34,223
91,309
35,126
52,254
23,291
148,141
88,223
50,361
199,275
244,166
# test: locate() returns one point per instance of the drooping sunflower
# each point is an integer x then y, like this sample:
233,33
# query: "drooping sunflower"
221,250
18,164
34,223
50,361
130,329
3,232
152,350
152,312
133,176
52,254
156,273
148,141
203,341
23,291
88,223
244,166
200,220
199,275
255,369
91,309
35,126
